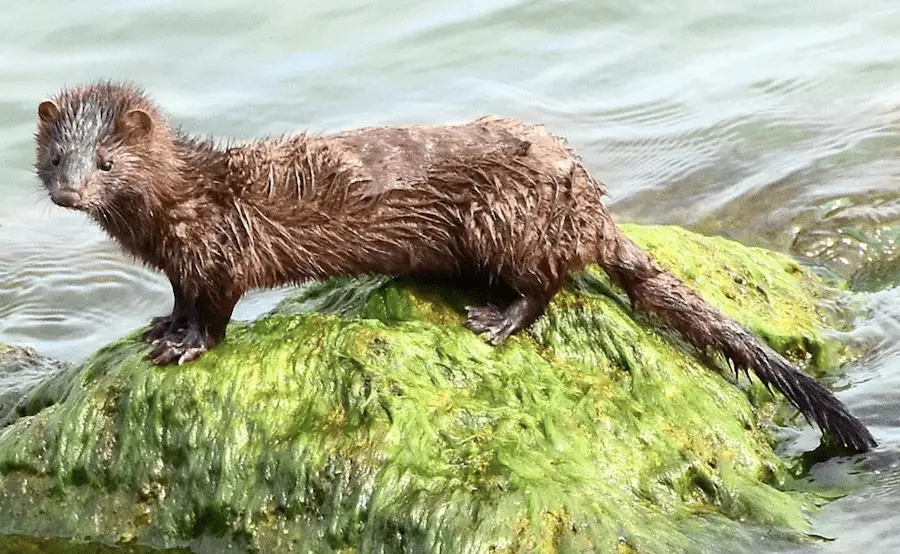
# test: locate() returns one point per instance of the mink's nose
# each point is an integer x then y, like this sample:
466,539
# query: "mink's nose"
64,195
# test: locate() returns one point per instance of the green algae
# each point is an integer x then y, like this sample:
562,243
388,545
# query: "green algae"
19,544
361,416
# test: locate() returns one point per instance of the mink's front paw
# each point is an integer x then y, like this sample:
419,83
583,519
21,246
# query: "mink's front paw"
179,348
163,327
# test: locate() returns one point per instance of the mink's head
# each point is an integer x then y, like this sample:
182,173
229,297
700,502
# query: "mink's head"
98,146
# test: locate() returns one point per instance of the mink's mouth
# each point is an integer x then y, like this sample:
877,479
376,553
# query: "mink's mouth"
66,198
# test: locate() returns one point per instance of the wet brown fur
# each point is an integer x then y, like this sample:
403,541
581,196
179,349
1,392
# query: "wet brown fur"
493,197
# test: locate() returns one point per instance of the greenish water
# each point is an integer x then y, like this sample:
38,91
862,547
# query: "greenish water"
777,124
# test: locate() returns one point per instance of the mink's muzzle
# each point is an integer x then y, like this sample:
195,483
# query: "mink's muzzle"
68,178
65,197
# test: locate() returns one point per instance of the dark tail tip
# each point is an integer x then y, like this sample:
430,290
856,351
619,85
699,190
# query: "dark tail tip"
817,404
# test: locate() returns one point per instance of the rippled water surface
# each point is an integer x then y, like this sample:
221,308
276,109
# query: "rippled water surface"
774,123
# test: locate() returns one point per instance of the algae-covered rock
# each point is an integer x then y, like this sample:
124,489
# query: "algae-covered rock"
361,416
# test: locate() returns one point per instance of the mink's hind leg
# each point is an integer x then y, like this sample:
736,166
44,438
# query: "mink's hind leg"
529,294
498,325
168,325
204,327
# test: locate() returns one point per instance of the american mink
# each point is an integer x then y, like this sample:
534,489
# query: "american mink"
493,197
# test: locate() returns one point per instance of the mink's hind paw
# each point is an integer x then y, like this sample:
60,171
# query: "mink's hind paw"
499,324
490,321
178,348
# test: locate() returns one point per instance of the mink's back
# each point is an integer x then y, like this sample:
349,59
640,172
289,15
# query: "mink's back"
489,195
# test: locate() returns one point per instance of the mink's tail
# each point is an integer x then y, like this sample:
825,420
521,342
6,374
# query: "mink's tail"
656,290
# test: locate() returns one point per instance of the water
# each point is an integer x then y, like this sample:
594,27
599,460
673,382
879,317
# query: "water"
773,123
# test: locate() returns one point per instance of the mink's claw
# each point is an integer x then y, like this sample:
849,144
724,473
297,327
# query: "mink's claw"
183,347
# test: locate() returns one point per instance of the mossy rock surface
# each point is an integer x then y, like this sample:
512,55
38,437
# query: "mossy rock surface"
361,416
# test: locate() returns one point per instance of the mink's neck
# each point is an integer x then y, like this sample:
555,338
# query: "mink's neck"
164,221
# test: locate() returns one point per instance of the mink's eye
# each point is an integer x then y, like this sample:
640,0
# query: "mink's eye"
105,165
55,160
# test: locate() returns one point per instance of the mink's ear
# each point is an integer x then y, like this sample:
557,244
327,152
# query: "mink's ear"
48,111
136,123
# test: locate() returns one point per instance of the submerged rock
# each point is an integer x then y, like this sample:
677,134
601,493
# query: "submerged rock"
22,371
361,416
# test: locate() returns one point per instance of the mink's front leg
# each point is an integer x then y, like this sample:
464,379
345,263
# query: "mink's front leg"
204,327
172,324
